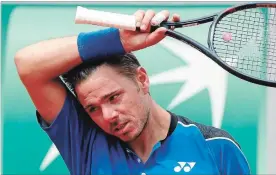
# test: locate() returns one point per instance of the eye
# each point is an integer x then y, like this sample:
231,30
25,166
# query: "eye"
92,109
113,97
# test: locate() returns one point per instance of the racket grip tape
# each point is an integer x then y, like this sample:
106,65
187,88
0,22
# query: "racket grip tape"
105,19
108,19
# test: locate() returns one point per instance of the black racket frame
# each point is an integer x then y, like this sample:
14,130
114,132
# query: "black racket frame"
210,52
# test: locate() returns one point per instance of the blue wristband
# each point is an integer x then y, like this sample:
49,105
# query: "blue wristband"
99,44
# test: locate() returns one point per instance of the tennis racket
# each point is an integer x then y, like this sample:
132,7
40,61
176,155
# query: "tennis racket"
242,39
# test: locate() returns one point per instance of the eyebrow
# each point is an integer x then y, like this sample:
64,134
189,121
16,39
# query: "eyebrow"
104,97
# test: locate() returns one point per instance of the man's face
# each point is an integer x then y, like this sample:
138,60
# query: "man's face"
116,103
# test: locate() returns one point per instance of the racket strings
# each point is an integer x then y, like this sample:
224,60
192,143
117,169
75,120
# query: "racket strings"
246,41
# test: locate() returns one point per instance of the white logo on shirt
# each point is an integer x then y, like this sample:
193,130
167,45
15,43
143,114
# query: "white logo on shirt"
186,166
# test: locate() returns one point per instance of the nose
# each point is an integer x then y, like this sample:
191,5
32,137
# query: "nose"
109,114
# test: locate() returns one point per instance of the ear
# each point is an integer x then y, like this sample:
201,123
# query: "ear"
143,79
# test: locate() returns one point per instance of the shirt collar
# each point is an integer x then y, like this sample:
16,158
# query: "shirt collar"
172,127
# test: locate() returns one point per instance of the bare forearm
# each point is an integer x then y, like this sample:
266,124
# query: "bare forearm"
47,60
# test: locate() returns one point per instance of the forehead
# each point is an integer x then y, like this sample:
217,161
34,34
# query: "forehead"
103,80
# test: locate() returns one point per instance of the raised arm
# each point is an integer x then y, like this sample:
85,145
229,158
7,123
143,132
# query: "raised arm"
39,65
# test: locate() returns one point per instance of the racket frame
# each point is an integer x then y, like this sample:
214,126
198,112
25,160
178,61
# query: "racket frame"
211,45
210,52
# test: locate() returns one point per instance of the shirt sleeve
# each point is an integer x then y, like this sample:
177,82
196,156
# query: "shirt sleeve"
230,159
73,133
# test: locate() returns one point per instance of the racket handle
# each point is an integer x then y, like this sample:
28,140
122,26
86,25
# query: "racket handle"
105,19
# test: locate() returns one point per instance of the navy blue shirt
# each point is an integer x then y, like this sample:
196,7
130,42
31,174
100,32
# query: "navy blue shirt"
189,148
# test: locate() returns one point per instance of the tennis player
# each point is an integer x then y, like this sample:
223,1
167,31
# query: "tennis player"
112,125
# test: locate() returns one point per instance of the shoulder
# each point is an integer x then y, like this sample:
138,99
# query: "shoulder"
224,149
210,133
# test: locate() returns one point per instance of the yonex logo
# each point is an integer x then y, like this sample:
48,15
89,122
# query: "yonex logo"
186,166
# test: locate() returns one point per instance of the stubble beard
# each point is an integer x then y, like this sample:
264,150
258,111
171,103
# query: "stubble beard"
142,127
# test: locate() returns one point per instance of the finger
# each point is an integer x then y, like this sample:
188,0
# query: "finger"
176,18
139,15
159,17
156,36
146,20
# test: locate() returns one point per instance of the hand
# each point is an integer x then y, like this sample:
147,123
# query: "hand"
133,40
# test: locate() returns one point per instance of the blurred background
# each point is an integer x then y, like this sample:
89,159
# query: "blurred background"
204,92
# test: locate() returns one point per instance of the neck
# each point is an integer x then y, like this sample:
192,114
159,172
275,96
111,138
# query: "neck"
156,129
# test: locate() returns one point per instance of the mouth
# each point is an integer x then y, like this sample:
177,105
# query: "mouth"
120,128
